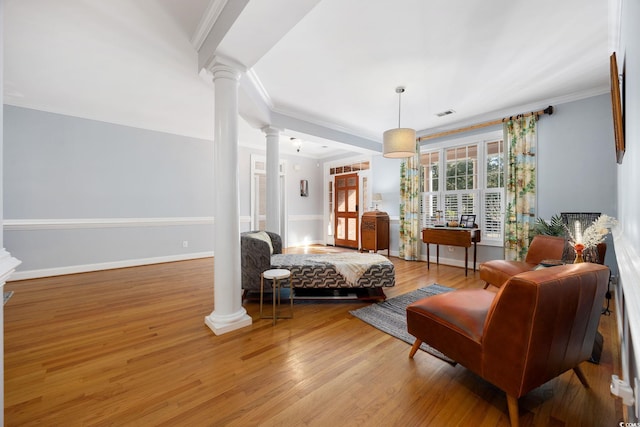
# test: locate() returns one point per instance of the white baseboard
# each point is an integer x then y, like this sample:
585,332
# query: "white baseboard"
73,269
85,268
450,261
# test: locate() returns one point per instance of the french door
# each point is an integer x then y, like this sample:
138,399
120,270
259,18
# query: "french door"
346,210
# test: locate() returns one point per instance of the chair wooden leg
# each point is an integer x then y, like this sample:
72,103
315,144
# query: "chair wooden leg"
414,348
512,403
581,376
486,285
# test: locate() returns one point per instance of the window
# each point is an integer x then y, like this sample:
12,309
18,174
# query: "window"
462,168
461,189
471,183
493,200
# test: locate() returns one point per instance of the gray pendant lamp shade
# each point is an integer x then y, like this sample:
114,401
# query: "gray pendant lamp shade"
400,142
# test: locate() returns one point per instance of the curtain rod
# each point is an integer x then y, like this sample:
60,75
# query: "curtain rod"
548,110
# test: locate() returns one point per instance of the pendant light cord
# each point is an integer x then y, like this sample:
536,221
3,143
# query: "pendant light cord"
399,107
399,91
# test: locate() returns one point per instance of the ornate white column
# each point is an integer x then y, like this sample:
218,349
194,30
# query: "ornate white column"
273,179
228,313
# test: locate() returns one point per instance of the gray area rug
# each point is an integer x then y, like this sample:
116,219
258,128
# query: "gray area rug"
390,316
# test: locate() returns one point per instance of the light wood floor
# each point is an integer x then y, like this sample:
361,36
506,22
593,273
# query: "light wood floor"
129,347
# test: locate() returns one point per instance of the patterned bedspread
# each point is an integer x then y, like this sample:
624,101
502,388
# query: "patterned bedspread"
359,270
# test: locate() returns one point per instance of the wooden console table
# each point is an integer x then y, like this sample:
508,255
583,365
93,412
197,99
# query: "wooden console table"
453,236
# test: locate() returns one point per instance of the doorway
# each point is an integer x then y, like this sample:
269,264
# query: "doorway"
259,195
347,194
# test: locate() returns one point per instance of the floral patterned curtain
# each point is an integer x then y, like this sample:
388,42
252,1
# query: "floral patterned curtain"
410,238
521,136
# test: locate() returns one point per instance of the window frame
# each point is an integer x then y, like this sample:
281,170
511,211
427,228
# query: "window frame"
480,193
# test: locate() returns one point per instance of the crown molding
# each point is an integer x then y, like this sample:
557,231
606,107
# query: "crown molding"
253,85
615,19
505,112
208,20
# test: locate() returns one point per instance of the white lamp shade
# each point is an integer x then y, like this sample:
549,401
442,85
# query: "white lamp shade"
377,197
399,143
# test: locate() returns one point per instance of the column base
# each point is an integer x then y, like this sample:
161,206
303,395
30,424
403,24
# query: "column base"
223,324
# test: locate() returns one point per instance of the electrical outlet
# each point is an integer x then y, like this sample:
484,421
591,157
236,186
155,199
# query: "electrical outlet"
185,243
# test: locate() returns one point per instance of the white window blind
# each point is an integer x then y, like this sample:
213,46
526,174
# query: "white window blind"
493,215
451,207
429,206
466,179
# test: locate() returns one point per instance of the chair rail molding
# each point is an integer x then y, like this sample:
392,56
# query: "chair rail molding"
72,223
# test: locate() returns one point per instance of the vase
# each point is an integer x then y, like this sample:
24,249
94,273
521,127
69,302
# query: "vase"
578,249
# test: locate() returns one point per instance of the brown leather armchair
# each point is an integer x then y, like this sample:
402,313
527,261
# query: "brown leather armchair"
497,272
538,325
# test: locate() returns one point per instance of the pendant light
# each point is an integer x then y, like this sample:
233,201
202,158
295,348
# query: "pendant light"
401,142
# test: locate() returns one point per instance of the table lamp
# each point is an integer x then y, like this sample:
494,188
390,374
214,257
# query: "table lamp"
377,198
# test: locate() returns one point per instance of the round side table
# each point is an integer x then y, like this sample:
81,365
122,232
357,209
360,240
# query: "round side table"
276,276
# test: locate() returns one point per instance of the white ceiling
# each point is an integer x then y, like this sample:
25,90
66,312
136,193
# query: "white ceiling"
327,69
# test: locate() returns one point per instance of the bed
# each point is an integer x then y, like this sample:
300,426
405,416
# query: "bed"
337,271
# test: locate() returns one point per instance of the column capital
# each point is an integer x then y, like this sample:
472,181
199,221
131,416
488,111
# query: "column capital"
271,131
225,72
224,67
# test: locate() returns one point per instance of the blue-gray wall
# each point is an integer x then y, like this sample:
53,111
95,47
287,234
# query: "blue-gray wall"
627,239
576,159
577,163
304,219
82,194
64,167
304,216
576,170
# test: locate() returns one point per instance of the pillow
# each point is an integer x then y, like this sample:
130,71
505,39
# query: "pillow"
262,235
545,263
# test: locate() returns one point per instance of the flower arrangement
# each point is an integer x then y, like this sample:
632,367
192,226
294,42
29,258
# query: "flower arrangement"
593,234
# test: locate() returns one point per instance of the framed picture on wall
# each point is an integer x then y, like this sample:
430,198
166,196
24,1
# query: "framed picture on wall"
617,107
304,188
